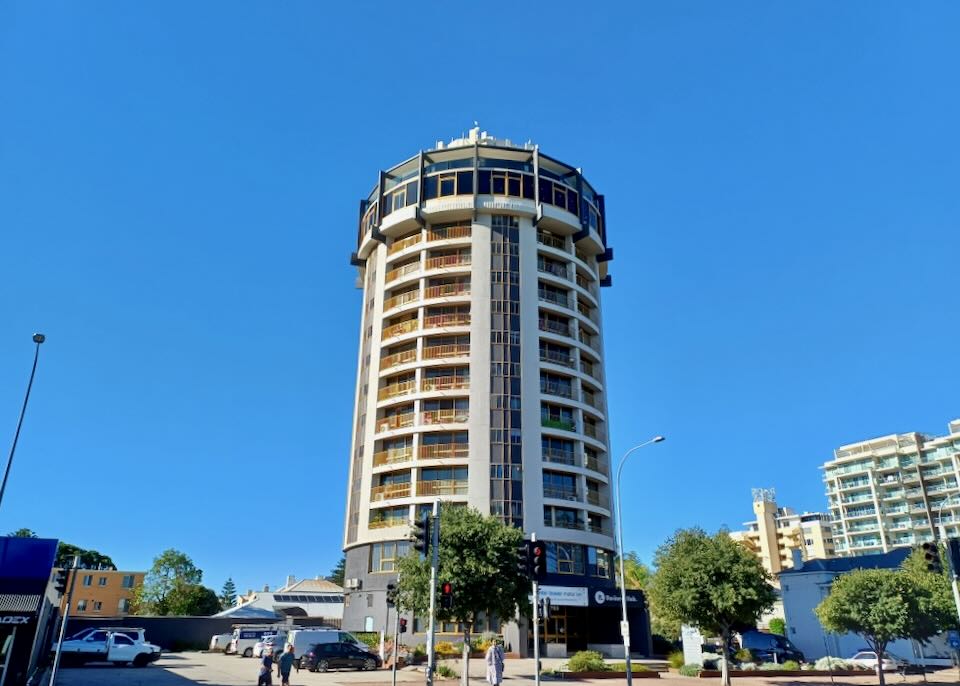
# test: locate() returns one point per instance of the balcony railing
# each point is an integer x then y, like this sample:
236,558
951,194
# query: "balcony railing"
442,487
440,451
552,241
398,359
582,256
590,368
591,399
446,261
558,328
594,431
440,320
599,528
399,272
402,299
448,416
387,522
553,268
395,421
400,329
447,290
389,491
560,493
397,246
551,423
564,390
553,297
444,383
445,233
588,312
566,524
394,390
556,357
559,456
586,285
453,350
588,340
392,456
598,499
596,464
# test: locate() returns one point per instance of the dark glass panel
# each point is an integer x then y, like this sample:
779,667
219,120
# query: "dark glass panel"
483,183
448,185
430,187
528,187
464,183
513,185
499,184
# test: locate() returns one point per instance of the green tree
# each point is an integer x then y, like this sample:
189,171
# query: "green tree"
937,610
336,574
89,559
636,574
478,556
167,586
194,600
879,604
23,533
778,626
711,582
228,594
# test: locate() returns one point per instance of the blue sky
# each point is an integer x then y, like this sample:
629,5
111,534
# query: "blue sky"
179,185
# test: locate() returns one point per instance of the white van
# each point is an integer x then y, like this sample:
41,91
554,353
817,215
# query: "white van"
219,643
273,642
245,638
302,639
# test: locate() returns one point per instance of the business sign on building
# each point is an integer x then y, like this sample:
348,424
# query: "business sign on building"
25,566
608,597
568,596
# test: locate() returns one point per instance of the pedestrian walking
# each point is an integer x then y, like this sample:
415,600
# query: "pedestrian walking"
266,669
284,665
494,660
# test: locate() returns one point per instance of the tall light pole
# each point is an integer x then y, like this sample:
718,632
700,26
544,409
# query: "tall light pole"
624,624
38,338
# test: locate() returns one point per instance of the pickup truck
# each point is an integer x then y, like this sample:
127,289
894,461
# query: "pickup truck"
121,647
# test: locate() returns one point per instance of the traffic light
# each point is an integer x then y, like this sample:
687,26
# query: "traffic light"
391,595
932,556
403,625
60,581
953,552
544,608
538,561
446,595
421,534
523,559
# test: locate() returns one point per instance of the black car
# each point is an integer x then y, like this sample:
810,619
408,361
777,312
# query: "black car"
325,656
770,647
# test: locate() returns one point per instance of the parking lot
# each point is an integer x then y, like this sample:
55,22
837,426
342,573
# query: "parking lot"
215,669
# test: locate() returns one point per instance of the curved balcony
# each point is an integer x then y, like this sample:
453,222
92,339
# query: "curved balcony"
553,298
594,432
447,290
558,358
443,451
387,522
393,422
558,456
441,487
552,241
446,233
389,492
598,500
596,464
393,456
567,494
400,272
404,243
439,321
445,383
447,262
434,352
398,389
562,390
397,359
556,328
446,416
395,330
402,299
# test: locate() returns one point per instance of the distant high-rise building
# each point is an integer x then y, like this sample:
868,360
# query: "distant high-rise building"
480,378
889,492
779,531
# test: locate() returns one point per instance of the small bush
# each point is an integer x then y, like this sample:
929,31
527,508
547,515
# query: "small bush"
588,661
830,663
447,648
778,626
791,666
446,671
675,659
748,667
369,638
622,667
743,655
690,670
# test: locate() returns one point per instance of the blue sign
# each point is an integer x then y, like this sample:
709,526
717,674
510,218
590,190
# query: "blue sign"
953,638
26,558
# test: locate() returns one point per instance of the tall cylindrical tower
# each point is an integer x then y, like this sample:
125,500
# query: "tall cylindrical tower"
480,378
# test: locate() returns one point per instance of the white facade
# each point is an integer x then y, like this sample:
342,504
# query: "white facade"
305,598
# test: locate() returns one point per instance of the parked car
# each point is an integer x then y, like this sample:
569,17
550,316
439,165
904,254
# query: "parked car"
110,646
889,662
322,657
302,639
770,647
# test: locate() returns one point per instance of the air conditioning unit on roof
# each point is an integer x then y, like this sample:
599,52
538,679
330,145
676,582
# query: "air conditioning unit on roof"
352,584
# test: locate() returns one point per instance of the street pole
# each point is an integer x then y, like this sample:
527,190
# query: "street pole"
396,634
38,338
434,564
63,622
536,623
624,623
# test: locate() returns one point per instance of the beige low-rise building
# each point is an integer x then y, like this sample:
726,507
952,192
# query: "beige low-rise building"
778,531
101,592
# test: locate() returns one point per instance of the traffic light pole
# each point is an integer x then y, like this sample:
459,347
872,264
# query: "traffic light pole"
536,623
434,564
63,621
396,635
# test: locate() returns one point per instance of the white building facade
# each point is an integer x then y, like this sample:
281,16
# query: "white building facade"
480,378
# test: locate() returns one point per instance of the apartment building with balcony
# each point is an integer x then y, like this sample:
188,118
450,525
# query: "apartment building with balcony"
480,378
777,532
892,491
101,592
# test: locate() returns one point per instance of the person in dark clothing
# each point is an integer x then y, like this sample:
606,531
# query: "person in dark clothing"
266,669
284,665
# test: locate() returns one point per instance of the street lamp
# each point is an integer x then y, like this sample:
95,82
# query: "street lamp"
624,626
38,338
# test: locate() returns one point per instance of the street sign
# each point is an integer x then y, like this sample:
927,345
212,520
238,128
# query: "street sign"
953,638
624,628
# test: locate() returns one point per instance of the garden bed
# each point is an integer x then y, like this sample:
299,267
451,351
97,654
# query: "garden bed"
715,673
575,676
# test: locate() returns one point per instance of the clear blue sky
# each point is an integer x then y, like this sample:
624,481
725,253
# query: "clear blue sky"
179,184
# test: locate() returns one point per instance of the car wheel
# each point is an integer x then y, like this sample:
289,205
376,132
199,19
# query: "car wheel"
248,652
140,661
323,666
369,664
